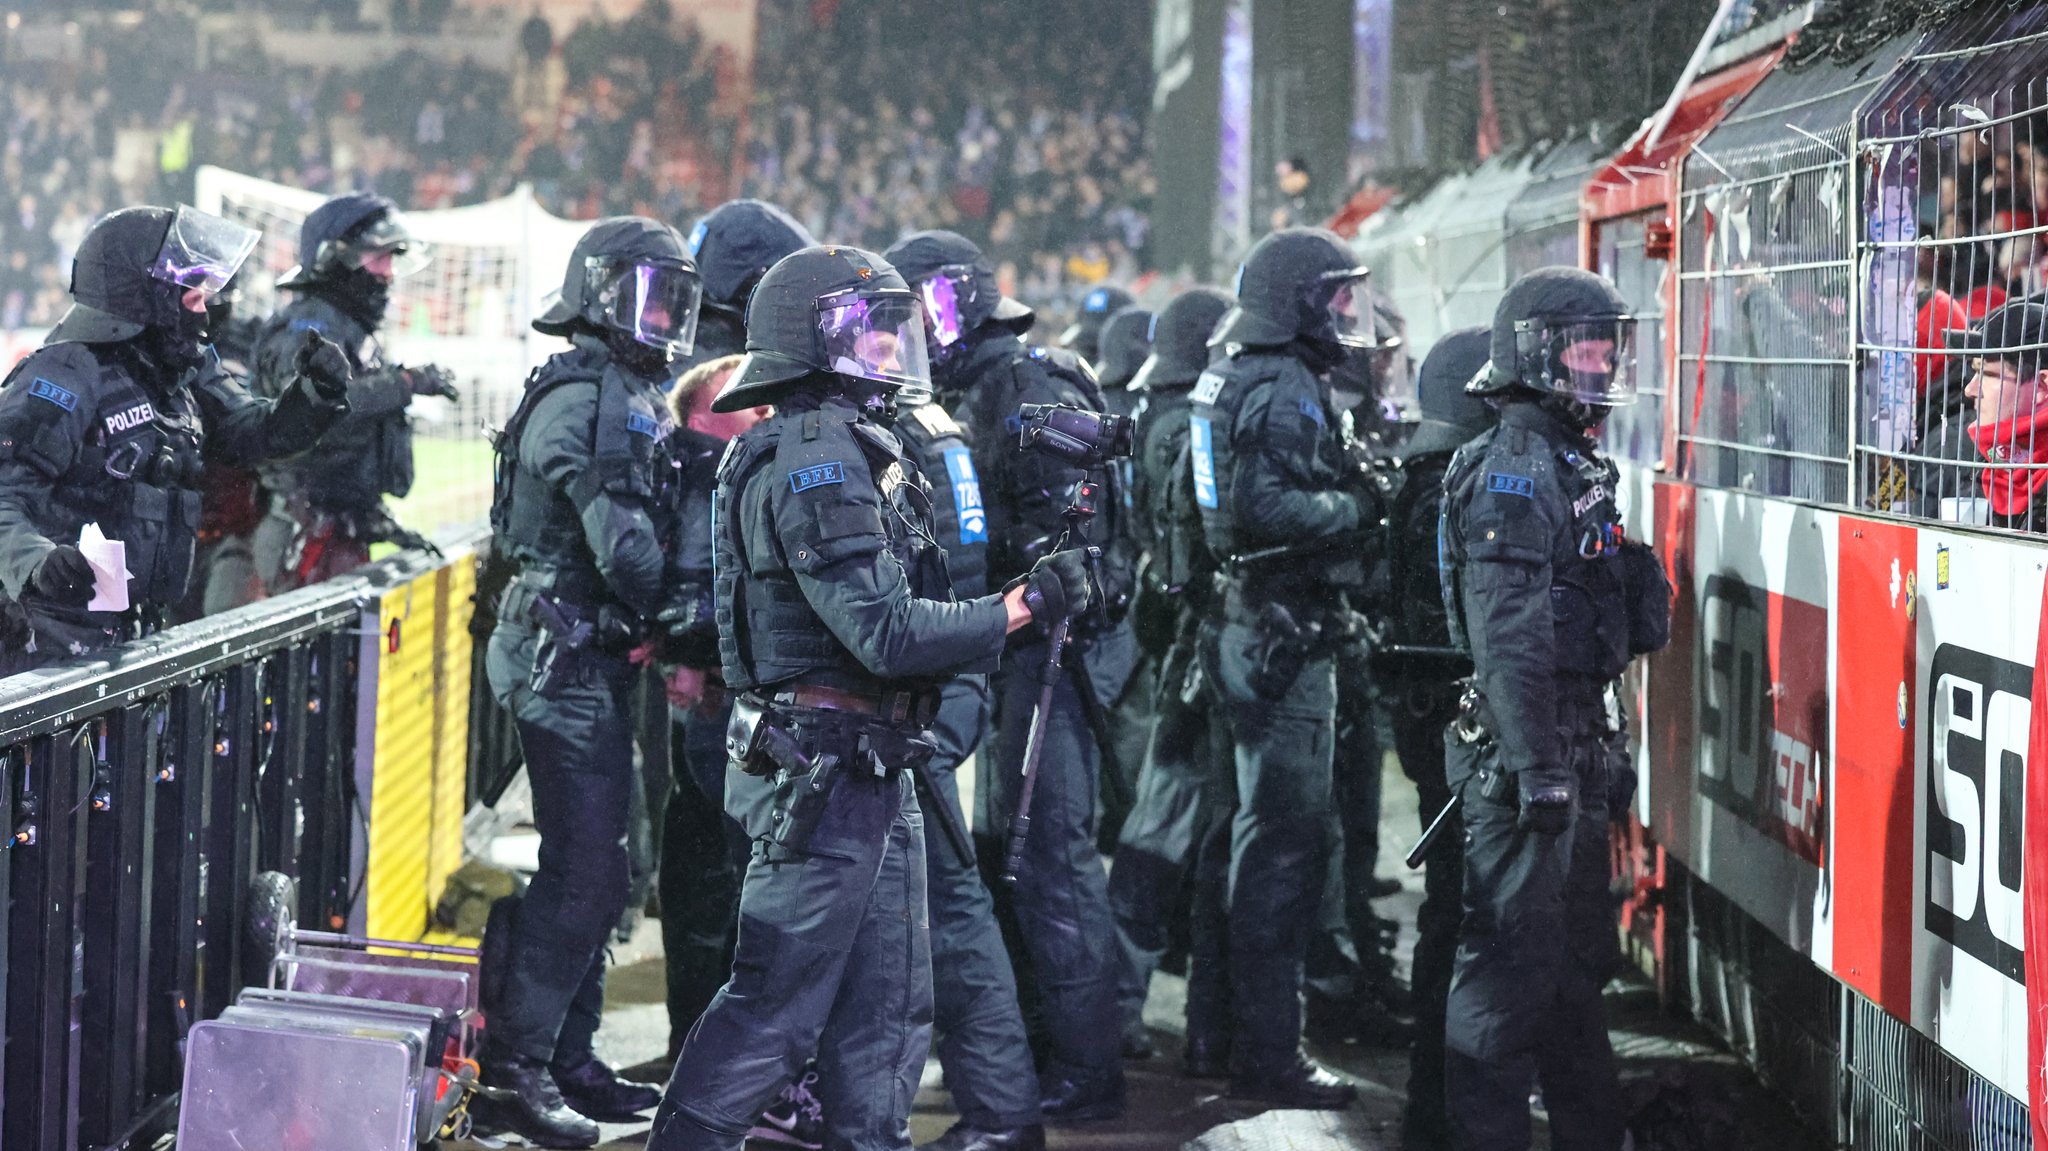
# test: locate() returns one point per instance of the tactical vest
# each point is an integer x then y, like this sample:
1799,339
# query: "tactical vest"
938,445
1416,616
360,459
1163,495
137,474
631,459
768,633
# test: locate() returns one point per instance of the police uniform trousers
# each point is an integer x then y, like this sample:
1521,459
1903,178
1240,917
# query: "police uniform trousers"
1178,829
981,1043
1421,712
1061,899
1280,842
577,739
1356,754
1536,946
834,957
704,852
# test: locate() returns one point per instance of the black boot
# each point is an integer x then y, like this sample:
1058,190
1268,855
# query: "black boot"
963,1136
1304,1086
1206,1059
1078,1096
533,1108
593,1089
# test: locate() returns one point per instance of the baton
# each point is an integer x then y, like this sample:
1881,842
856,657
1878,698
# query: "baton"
1436,830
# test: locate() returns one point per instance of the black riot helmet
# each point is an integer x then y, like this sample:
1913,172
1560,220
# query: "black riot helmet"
136,267
1180,339
629,281
1301,287
830,313
1452,415
360,234
1567,333
1084,335
1126,341
735,244
957,286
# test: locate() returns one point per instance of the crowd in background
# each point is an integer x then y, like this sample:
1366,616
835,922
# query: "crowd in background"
1030,139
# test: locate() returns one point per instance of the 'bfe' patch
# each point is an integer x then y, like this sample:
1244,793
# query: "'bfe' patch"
967,496
43,389
309,326
817,476
1512,485
641,424
1203,459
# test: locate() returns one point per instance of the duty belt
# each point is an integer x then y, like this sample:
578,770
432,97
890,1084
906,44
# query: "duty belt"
916,706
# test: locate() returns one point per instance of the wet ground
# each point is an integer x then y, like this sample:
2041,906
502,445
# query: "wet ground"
1690,1094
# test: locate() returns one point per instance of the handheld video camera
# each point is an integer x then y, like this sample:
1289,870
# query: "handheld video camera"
1074,434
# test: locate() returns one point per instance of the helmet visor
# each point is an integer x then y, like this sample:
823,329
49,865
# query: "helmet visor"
387,247
1590,359
946,294
1348,306
656,304
202,251
875,335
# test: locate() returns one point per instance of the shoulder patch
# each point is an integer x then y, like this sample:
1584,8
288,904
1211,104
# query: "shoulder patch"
1314,411
63,397
309,326
1207,388
697,235
817,476
1037,353
642,424
935,420
1510,484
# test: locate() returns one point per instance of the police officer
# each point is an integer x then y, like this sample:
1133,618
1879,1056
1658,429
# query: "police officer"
109,422
232,501
327,506
1278,502
1181,817
1419,671
1125,341
1551,602
1083,337
587,505
838,623
1061,905
733,246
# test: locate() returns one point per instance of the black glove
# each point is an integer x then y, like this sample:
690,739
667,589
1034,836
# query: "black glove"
15,629
1545,795
1059,586
688,624
432,380
320,362
1621,790
65,577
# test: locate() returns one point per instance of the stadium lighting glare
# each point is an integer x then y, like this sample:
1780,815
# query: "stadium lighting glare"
13,21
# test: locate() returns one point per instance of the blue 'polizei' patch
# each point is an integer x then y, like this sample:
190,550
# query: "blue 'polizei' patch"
1203,460
43,389
967,496
1512,485
641,424
817,476
697,238
1313,411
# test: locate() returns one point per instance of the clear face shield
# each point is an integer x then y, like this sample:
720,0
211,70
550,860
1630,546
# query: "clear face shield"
654,303
1345,302
946,294
1589,359
877,334
386,248
202,252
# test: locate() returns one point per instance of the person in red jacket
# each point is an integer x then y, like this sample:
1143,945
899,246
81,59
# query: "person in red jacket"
2010,387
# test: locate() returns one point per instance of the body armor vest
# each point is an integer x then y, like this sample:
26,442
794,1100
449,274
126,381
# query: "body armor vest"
938,445
360,459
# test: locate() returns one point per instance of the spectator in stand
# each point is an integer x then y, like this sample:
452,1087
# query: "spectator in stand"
2010,387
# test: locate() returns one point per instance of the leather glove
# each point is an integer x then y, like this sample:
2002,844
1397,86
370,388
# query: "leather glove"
65,577
1621,790
320,362
433,380
15,629
1545,795
1059,586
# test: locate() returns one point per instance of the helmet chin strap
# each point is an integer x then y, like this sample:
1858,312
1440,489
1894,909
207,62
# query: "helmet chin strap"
635,356
1578,413
1321,356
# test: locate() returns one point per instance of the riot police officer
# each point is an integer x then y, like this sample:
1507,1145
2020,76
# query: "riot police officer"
1181,817
110,420
1061,905
1083,337
1125,341
838,624
733,246
1279,504
1419,671
327,505
1551,602
587,506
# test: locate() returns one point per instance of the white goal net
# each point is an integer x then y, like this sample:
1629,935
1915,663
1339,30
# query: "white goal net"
469,310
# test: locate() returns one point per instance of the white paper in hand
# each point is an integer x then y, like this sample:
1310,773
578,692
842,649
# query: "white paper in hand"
109,560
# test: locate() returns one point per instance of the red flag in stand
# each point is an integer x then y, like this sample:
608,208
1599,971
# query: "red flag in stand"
2034,881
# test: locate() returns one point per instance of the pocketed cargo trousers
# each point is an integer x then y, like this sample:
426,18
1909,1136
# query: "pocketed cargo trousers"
1421,712
703,854
1280,843
577,739
1536,946
834,957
